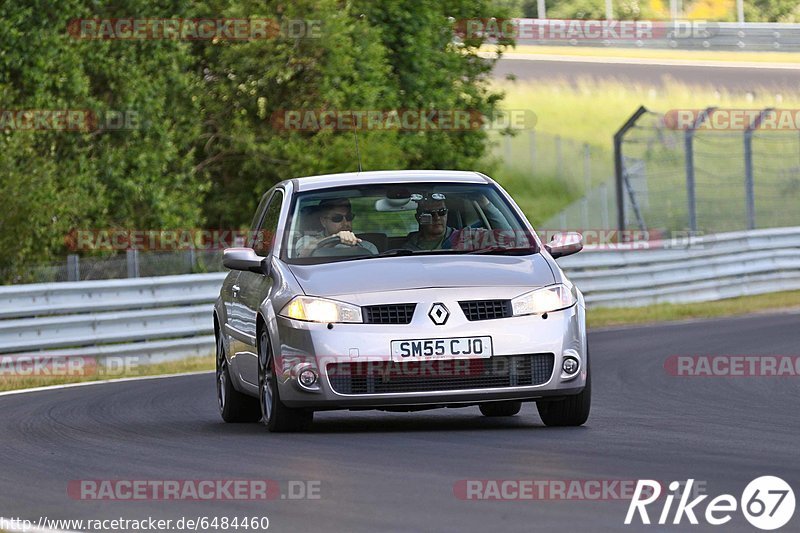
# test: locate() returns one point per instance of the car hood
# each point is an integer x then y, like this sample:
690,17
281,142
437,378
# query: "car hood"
404,273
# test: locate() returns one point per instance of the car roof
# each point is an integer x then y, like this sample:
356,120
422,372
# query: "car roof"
327,181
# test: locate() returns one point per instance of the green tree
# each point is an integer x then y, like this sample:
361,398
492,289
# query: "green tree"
55,181
772,11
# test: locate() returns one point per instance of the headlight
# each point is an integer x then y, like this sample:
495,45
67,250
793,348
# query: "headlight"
321,310
544,300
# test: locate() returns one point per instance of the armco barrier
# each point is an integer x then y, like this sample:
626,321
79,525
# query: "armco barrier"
169,317
708,268
682,35
153,319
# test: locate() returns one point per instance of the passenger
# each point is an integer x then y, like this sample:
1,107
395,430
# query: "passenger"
435,234
335,218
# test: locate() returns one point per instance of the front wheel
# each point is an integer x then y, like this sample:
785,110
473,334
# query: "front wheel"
274,414
571,411
233,405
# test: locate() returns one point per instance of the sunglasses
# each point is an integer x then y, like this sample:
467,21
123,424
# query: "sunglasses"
339,217
438,212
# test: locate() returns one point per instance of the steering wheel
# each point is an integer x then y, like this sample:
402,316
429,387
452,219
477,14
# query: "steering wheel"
328,247
329,242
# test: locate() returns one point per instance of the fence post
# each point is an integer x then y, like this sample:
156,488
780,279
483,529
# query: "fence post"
507,149
688,142
558,156
604,206
73,268
191,259
132,257
619,171
749,182
587,169
585,213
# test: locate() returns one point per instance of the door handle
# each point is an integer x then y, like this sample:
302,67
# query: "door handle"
236,290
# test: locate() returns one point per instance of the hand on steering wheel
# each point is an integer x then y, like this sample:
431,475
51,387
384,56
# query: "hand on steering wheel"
343,237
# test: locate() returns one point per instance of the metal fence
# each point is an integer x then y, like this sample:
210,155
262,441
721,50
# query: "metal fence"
699,178
129,264
680,35
583,170
696,178
155,319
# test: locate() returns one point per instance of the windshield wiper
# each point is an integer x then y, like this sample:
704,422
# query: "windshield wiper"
395,252
503,250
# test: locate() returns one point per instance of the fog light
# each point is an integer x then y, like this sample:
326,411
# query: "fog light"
570,365
308,377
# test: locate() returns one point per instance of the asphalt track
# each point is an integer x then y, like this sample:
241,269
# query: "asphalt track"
737,80
396,471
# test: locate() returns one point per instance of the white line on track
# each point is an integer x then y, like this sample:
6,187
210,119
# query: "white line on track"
647,61
101,382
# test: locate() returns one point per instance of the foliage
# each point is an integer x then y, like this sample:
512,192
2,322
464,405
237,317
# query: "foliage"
204,147
55,181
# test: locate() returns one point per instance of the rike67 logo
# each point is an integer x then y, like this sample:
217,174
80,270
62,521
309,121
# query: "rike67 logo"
767,503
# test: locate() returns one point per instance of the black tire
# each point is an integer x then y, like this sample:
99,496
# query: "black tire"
571,411
274,414
234,407
509,408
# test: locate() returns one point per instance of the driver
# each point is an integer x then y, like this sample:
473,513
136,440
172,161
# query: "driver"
335,218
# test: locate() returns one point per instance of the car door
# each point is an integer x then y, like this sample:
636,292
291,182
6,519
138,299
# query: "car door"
255,287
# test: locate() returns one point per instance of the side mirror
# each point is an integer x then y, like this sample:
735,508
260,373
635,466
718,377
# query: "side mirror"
563,244
245,259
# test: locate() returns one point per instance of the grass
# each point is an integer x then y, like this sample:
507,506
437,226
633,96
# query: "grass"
592,111
644,53
604,317
539,196
193,364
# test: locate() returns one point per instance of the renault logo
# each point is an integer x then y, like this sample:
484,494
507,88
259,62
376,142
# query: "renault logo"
439,314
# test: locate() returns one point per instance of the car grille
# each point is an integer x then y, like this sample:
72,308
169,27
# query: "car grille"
382,377
486,309
389,314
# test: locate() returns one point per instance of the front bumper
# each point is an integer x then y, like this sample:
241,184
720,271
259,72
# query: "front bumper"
304,345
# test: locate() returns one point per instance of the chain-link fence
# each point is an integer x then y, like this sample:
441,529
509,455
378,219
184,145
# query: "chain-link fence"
709,170
129,264
577,168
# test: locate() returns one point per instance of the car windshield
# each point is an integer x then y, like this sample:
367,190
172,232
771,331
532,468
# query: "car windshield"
372,221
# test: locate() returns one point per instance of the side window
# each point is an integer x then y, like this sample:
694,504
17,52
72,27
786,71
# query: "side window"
264,237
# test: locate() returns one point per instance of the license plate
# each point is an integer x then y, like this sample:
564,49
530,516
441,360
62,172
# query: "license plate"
458,347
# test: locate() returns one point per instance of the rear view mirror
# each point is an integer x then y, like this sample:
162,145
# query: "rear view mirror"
244,259
563,244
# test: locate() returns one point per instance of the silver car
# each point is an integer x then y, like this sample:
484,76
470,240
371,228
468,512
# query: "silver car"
398,291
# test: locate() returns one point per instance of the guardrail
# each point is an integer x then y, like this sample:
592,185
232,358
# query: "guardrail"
681,34
156,319
153,319
708,268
